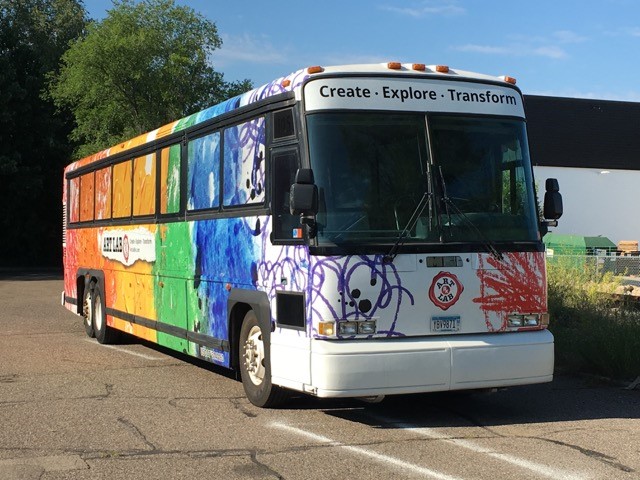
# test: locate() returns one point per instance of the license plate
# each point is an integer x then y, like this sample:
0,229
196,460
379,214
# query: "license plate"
445,324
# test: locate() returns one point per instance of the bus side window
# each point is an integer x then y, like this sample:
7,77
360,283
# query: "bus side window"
103,194
87,197
285,164
144,185
513,181
74,200
170,179
283,125
244,169
203,184
121,198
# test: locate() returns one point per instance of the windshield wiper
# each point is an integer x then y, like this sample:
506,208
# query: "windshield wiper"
388,258
487,243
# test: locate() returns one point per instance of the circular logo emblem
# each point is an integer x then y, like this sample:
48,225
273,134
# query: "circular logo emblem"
445,290
125,248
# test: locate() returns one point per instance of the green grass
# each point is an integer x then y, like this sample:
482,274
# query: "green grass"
595,332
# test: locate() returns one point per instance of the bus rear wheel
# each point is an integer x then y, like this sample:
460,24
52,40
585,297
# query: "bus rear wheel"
255,365
87,311
104,333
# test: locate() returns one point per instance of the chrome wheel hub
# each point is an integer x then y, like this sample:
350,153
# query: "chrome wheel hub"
254,356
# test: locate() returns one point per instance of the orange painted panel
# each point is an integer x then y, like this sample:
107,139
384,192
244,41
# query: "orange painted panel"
87,192
103,194
73,208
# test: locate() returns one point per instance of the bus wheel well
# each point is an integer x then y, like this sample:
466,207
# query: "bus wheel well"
236,317
82,283
80,295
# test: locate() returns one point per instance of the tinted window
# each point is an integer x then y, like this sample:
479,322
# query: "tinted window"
244,166
204,172
170,179
122,190
283,124
285,165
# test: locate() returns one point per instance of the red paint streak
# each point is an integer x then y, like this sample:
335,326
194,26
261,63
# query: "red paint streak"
517,284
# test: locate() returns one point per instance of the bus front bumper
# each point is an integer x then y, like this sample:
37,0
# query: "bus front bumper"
355,368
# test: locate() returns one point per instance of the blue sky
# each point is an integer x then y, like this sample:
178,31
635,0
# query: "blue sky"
572,48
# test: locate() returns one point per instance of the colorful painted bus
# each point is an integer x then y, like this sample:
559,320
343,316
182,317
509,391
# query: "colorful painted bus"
351,231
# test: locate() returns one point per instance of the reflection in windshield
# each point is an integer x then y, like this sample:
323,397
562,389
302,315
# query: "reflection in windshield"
372,169
486,170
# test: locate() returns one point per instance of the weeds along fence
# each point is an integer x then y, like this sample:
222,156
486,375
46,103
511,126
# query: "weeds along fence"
596,326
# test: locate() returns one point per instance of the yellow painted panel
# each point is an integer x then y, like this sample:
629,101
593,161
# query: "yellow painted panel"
125,295
122,190
144,185
165,130
145,333
134,329
145,296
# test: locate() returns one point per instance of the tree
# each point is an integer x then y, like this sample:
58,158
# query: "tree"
143,66
33,137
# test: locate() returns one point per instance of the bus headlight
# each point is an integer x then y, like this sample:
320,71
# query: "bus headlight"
347,328
515,320
357,327
518,320
531,320
367,327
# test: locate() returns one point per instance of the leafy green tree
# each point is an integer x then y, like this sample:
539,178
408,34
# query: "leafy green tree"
143,66
34,143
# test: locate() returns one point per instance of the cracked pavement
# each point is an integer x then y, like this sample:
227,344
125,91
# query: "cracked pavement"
72,409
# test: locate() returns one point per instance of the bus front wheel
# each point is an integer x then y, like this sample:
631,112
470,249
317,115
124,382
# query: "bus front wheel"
255,367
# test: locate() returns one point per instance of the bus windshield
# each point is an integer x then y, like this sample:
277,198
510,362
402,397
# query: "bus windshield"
435,179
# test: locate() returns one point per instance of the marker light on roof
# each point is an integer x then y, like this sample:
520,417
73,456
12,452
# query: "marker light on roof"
315,69
442,69
286,83
510,80
421,67
394,65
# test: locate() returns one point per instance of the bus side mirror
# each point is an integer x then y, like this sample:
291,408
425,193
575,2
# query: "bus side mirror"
303,198
552,202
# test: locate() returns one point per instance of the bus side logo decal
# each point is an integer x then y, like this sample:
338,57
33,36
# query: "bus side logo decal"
445,290
128,246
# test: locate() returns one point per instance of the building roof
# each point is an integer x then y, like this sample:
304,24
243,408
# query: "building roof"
583,133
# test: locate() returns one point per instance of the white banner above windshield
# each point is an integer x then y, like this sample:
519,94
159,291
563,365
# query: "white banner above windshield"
413,95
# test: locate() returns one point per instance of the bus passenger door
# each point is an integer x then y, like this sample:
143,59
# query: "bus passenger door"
290,343
285,164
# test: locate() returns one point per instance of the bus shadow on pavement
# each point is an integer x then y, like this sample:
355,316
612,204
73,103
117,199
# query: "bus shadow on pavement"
567,398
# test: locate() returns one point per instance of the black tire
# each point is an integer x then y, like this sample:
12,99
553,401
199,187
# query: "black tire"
104,333
255,365
87,311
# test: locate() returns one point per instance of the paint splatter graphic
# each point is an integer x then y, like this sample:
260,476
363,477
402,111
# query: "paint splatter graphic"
388,294
516,284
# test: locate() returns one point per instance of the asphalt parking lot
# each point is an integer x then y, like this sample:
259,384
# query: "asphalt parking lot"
73,409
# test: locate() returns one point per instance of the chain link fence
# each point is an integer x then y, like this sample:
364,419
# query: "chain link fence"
599,264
